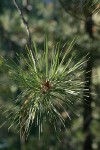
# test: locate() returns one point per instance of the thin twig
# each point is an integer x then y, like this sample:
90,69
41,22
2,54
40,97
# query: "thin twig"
28,31
24,21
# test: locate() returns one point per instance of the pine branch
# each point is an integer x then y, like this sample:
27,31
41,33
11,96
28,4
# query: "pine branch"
46,92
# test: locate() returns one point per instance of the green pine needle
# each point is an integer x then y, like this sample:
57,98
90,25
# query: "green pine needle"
49,84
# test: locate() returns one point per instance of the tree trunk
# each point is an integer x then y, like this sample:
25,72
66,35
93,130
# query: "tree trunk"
87,108
87,114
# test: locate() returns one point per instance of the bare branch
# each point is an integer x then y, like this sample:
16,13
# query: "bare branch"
28,31
25,22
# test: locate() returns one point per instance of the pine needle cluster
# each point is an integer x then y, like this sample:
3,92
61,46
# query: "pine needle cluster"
50,83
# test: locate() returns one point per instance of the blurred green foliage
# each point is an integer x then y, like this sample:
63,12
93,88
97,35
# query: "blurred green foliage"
47,17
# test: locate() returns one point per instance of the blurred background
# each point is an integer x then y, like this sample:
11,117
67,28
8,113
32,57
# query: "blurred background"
60,19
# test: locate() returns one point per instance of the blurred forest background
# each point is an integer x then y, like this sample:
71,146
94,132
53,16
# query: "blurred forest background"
58,18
